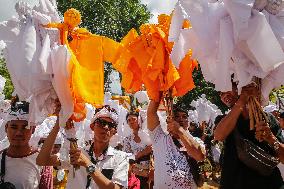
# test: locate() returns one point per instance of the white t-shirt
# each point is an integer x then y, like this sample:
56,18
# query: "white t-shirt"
281,168
112,160
172,170
130,146
22,172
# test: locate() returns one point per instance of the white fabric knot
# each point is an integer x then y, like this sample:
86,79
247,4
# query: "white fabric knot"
23,8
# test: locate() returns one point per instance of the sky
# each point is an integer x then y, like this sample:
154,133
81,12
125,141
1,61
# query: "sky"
7,9
157,7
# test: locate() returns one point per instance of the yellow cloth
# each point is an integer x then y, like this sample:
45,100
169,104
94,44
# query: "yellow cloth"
59,184
91,52
88,54
145,59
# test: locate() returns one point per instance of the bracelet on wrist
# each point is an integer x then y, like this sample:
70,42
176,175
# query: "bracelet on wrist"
91,168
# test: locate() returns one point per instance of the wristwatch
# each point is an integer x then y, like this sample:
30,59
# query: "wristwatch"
276,145
91,168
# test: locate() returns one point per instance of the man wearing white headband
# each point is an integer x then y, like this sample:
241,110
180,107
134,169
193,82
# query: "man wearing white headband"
101,166
18,161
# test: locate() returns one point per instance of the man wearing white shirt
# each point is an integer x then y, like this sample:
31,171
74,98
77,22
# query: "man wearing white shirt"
18,161
101,166
172,169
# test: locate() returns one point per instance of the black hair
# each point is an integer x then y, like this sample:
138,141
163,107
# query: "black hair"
281,115
7,185
131,161
17,105
41,141
177,109
132,113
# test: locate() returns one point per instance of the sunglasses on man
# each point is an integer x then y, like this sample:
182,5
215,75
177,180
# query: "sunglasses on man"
103,123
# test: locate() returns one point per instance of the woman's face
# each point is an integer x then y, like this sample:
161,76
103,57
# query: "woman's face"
132,121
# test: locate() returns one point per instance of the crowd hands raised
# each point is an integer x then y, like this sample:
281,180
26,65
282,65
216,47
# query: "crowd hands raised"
175,157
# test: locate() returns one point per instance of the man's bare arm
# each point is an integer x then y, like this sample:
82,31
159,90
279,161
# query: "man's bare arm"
152,116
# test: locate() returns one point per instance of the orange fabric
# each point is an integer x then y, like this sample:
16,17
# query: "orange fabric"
145,60
185,83
88,54
91,51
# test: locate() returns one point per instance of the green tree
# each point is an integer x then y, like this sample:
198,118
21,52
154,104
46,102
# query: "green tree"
8,90
277,96
111,18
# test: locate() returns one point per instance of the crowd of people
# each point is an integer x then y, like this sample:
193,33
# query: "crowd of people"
85,144
172,160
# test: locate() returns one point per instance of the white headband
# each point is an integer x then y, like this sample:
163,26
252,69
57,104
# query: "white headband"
105,113
19,115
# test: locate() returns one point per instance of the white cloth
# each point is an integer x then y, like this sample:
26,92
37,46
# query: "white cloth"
232,36
281,168
142,97
23,172
216,152
172,170
130,146
205,110
105,113
115,140
195,141
26,54
61,74
113,159
9,30
2,84
271,107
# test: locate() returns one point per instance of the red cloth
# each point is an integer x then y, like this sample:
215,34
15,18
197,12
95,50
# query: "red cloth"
133,182
46,179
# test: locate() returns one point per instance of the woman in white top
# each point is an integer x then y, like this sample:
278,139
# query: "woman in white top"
137,146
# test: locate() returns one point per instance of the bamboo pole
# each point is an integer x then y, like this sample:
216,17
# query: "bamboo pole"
251,117
74,146
256,112
261,110
168,99
255,116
